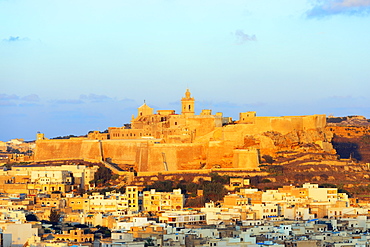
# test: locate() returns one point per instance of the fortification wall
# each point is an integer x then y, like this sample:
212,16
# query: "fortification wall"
123,151
217,150
90,149
283,125
219,153
58,149
203,124
177,156
246,159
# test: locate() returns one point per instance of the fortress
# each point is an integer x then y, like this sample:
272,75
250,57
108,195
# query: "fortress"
166,141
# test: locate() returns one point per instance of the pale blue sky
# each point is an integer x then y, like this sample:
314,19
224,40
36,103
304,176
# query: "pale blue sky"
67,67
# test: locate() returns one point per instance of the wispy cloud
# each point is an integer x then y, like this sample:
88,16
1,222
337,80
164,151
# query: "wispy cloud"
242,37
29,105
31,98
95,97
324,8
68,101
4,96
15,39
7,103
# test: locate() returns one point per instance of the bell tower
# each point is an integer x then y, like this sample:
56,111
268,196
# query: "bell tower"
187,104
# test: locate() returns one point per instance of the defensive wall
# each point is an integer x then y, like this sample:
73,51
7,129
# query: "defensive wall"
283,125
224,146
205,172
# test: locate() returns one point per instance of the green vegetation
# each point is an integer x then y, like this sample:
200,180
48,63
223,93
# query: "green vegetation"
213,190
275,170
335,119
10,165
268,159
103,191
365,139
219,179
31,217
64,137
148,242
104,231
102,176
162,186
54,216
265,180
327,185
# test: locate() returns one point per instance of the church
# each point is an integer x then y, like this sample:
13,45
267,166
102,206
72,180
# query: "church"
167,124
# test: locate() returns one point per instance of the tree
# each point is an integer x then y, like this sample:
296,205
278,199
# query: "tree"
31,217
148,242
162,186
192,188
268,158
104,231
214,191
54,216
219,179
102,175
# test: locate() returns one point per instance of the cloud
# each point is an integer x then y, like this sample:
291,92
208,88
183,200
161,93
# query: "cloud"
29,105
4,96
7,103
126,100
31,98
15,39
67,101
95,97
324,8
242,37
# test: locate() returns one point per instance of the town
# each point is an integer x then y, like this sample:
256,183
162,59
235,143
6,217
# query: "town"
189,180
60,206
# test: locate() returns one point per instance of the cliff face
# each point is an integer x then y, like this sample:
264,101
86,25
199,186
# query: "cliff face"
351,137
352,142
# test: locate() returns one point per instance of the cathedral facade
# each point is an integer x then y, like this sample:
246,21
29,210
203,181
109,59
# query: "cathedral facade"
167,125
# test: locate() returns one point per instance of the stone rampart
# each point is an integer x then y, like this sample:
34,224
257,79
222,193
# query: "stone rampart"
214,149
177,156
58,149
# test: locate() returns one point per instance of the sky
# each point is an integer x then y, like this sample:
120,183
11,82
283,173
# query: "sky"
68,67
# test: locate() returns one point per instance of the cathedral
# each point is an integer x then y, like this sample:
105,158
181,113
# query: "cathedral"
167,125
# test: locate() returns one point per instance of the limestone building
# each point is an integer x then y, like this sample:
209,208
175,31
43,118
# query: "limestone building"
167,125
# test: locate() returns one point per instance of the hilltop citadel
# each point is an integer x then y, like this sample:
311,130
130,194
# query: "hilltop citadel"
166,141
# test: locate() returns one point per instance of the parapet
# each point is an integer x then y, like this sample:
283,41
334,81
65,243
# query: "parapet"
207,112
247,117
165,112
